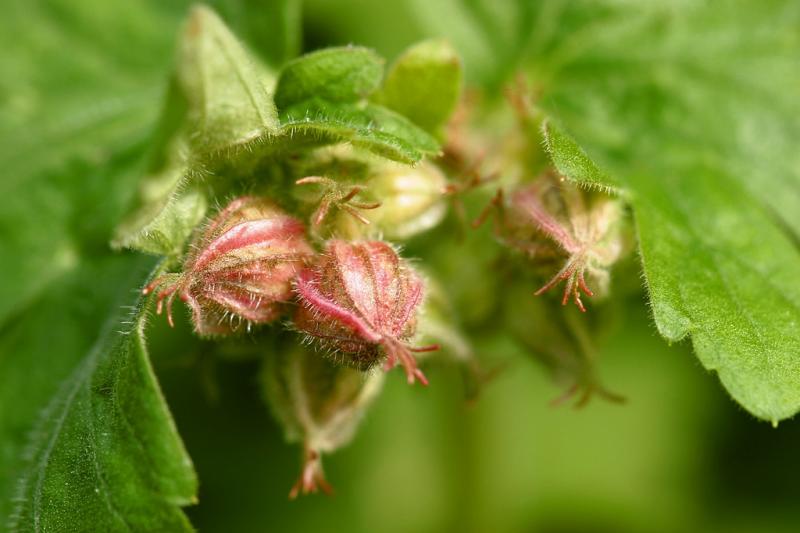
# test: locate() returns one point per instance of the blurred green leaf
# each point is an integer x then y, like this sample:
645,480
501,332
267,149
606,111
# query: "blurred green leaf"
72,131
336,74
218,103
105,454
228,103
691,117
272,29
424,84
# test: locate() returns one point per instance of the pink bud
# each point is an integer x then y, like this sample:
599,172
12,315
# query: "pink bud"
552,218
361,300
239,269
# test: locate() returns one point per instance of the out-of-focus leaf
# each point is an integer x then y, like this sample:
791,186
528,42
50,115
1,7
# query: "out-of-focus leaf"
691,117
424,84
217,104
272,29
75,108
336,74
228,103
105,454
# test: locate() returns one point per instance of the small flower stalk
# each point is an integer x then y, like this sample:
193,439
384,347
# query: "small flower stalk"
240,268
319,404
360,302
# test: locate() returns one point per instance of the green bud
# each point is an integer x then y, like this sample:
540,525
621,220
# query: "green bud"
351,194
318,404
411,199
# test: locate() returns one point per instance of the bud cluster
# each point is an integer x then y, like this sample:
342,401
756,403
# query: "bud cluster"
351,295
310,255
358,301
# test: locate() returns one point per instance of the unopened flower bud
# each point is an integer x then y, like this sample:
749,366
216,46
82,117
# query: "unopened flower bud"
239,269
411,199
351,194
318,404
551,219
360,301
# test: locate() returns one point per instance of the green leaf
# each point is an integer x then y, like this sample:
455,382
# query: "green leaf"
272,29
72,130
228,101
217,105
424,84
168,204
489,35
105,454
369,126
571,161
335,74
693,120
162,226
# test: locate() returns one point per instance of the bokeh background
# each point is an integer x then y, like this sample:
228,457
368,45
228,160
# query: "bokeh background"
678,456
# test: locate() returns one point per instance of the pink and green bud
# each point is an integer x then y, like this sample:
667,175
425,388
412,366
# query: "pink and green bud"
551,220
360,301
239,270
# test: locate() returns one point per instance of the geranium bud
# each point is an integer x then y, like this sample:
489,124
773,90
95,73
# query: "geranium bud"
319,404
360,300
240,268
550,219
412,199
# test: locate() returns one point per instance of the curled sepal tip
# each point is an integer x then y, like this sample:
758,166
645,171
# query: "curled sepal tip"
337,196
312,478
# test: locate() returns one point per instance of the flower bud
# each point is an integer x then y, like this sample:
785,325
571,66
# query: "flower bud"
360,301
551,219
352,194
240,268
318,404
411,199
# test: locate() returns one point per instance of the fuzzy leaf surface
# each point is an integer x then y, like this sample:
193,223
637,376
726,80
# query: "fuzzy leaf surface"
105,454
699,138
369,126
424,84
335,74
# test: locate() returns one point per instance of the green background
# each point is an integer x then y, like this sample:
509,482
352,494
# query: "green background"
679,456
